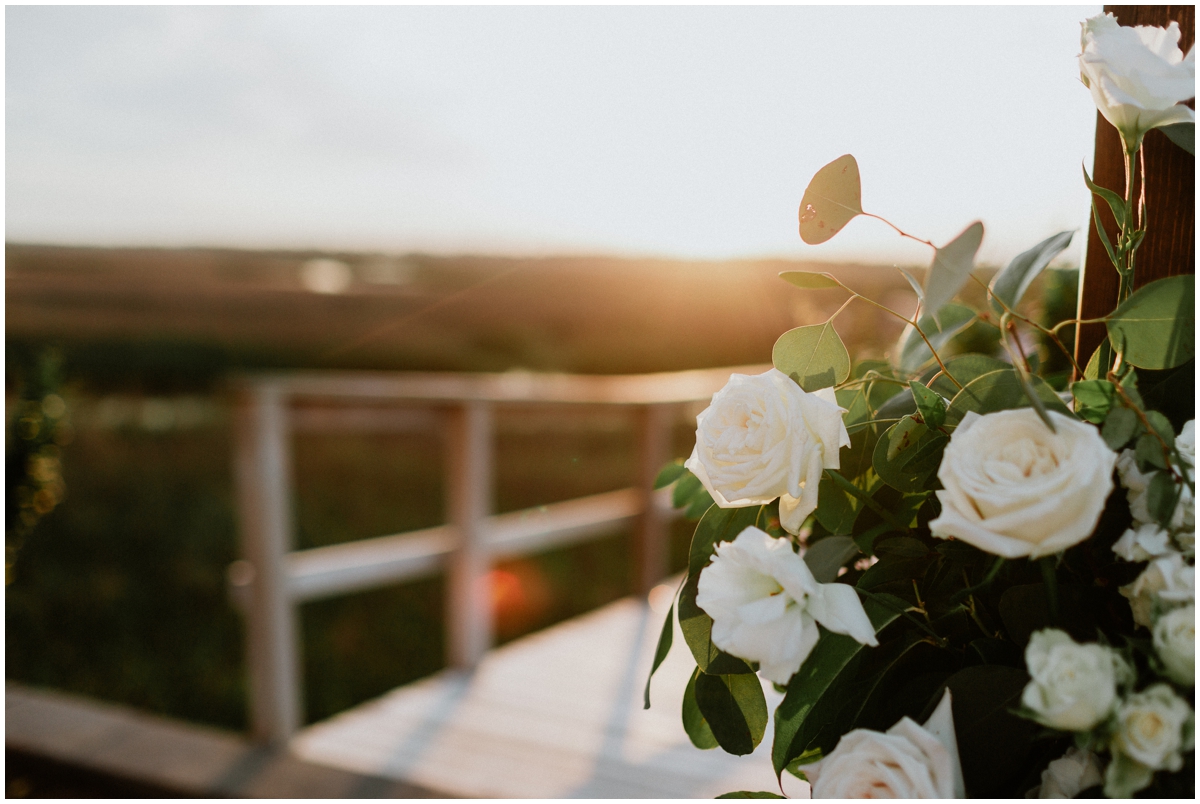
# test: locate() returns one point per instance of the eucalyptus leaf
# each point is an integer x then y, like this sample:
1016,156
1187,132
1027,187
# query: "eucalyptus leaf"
1183,135
735,709
833,198
1162,495
931,406
914,352
811,693
1011,283
809,280
827,556
951,268
1001,390
1157,323
963,368
1148,452
697,728
895,454
814,356
1120,426
1094,399
914,284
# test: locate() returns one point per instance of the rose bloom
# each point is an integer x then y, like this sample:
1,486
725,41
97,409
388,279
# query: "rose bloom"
1069,775
909,761
1138,76
763,437
1154,727
1014,488
765,604
1167,582
1073,687
1136,485
1143,543
1175,644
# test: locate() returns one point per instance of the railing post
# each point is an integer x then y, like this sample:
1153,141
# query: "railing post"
263,486
468,503
654,434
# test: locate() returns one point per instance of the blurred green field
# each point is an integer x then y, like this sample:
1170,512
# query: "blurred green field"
120,593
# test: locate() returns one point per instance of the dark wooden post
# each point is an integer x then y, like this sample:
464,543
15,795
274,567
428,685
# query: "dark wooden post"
1169,247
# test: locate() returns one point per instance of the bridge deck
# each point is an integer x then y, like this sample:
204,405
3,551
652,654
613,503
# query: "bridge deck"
557,714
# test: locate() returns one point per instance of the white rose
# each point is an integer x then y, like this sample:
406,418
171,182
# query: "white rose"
1069,775
1185,442
1175,643
764,437
765,604
1153,728
1168,581
1138,76
1073,687
1143,543
909,761
1136,484
1014,488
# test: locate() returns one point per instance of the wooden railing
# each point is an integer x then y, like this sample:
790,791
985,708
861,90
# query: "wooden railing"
271,579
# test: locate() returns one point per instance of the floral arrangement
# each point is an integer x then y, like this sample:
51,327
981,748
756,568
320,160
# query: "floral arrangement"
965,574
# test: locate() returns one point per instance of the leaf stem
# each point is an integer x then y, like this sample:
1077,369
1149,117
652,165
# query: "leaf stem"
899,231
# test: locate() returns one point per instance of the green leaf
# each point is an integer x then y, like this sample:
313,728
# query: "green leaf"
1115,202
1161,425
1161,497
963,368
993,743
833,198
1149,452
750,794
1094,399
1119,427
686,485
809,280
835,509
827,556
914,284
700,503
1092,370
931,406
1183,135
814,356
697,728
915,353
665,638
1157,323
1001,390
735,708
669,474
895,458
1011,283
811,694
1104,241
951,268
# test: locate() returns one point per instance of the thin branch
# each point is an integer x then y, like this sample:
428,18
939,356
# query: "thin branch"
899,231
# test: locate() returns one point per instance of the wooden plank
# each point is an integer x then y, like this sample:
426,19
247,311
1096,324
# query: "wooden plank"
1170,244
172,757
357,420
368,563
631,389
651,547
469,501
556,714
263,471
560,524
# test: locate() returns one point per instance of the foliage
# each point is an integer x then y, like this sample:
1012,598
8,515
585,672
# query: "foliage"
947,614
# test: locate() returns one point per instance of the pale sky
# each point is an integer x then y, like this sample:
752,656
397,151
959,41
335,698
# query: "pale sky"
664,131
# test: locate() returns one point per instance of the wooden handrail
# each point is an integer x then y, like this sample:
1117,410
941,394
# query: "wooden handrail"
271,579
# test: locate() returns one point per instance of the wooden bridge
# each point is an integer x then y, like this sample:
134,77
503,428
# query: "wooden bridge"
556,714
